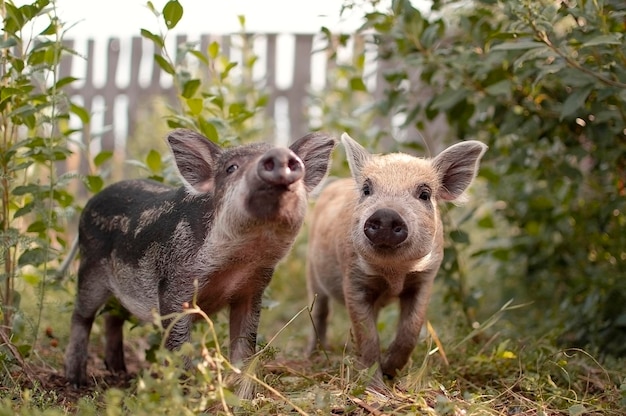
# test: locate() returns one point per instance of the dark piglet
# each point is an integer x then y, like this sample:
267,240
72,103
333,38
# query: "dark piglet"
217,239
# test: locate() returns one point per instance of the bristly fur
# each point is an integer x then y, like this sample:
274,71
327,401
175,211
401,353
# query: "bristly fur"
378,237
215,240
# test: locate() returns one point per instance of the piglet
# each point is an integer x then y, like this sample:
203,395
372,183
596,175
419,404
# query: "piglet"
378,237
215,240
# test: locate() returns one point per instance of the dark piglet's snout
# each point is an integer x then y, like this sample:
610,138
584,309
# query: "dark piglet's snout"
280,166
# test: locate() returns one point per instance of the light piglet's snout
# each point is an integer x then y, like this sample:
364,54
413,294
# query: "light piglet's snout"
386,228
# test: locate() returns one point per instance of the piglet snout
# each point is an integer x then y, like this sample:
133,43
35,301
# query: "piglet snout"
386,228
280,166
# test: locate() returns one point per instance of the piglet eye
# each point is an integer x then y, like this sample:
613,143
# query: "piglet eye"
423,193
367,189
232,168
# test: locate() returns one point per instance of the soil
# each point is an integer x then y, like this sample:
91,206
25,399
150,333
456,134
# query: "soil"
42,376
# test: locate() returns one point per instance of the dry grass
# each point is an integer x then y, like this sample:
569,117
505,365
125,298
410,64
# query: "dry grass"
493,369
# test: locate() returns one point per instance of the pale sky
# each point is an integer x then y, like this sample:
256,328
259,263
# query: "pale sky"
96,18
101,20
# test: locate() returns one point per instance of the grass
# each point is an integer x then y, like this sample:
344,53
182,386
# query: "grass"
492,369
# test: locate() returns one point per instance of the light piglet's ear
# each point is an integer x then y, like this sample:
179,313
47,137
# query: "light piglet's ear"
457,167
357,155
195,157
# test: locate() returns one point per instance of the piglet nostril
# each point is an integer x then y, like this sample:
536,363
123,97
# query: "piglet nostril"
386,228
269,164
295,164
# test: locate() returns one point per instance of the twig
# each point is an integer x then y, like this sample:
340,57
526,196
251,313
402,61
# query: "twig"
16,354
366,406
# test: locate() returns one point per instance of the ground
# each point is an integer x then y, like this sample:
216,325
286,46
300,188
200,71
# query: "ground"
39,374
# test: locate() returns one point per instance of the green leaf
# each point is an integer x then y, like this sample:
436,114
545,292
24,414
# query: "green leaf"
157,178
64,198
235,109
50,30
93,183
36,227
499,88
24,349
151,7
164,64
26,189
32,279
33,257
81,112
576,410
227,69
172,13
209,131
448,99
199,56
612,39
26,110
158,40
540,202
8,43
262,100
460,237
517,45
190,88
231,398
102,157
195,105
15,18
64,81
357,84
486,222
26,209
575,101
213,50
37,57
153,161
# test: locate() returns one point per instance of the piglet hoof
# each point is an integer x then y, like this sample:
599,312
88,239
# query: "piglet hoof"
244,387
115,365
77,381
315,348
377,387
392,365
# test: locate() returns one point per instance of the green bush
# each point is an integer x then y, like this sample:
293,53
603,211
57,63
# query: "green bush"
542,83
36,204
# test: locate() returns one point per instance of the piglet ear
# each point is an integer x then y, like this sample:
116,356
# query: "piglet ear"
357,155
314,150
195,157
457,167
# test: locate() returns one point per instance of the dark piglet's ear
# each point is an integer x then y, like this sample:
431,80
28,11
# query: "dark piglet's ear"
195,157
314,150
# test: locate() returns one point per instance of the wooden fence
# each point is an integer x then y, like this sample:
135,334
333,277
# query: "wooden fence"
129,77
117,77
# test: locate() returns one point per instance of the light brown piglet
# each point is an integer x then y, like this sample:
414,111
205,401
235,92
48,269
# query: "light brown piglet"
378,237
